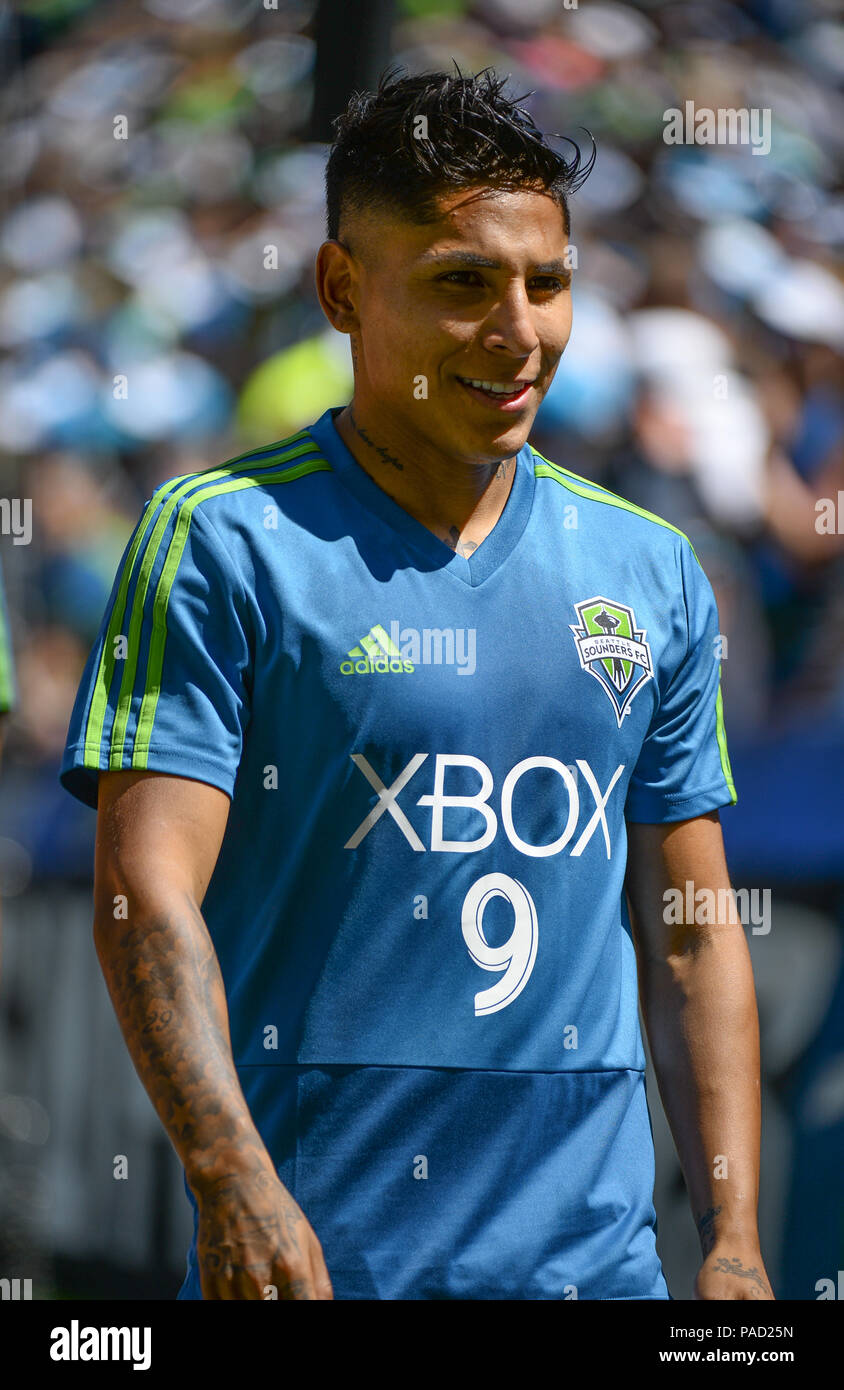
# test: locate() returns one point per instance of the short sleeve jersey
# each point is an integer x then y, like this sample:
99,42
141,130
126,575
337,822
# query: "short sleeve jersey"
418,904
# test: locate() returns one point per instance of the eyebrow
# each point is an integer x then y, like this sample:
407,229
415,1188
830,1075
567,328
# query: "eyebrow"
470,258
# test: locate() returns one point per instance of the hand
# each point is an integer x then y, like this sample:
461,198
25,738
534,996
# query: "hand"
253,1234
733,1269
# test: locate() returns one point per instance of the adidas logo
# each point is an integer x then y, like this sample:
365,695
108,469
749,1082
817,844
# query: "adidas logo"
376,654
379,650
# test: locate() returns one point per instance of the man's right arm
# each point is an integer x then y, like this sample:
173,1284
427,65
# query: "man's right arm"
158,838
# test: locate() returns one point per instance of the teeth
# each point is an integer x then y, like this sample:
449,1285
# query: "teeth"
496,389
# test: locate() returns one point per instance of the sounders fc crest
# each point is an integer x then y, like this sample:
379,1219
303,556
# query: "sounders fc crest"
613,650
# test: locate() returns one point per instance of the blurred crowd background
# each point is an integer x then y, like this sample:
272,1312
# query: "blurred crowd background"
702,381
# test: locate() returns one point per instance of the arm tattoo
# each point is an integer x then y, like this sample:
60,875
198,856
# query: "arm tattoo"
735,1266
705,1229
379,449
167,991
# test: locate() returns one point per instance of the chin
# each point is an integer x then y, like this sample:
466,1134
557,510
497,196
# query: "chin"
512,438
496,441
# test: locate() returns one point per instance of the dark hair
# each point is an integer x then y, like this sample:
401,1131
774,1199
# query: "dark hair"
476,136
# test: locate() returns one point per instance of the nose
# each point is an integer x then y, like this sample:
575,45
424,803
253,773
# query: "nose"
510,325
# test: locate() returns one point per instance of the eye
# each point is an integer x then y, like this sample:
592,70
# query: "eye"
456,276
543,284
550,283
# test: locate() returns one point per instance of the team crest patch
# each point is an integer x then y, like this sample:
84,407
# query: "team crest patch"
613,650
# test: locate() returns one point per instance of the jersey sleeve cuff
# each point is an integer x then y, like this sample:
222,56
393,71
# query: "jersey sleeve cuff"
652,808
81,777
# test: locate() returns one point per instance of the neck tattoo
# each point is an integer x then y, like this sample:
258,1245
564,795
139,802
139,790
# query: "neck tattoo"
452,539
461,547
382,453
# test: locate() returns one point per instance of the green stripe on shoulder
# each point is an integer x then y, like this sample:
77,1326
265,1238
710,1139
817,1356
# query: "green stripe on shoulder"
147,541
158,636
584,488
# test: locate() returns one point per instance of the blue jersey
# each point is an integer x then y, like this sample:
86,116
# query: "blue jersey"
418,904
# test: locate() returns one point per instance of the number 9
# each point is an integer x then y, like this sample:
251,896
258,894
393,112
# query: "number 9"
517,955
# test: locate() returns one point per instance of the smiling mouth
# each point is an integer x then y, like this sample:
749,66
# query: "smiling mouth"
501,393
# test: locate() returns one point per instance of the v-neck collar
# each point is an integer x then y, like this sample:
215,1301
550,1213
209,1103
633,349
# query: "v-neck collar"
472,569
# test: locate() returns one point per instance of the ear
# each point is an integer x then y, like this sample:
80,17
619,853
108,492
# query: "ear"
336,279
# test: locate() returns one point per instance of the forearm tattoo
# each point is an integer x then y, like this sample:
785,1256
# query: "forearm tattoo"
706,1228
165,984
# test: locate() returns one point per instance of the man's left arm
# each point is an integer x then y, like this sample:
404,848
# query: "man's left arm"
699,1006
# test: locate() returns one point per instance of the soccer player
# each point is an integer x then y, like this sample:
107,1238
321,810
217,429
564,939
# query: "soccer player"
379,718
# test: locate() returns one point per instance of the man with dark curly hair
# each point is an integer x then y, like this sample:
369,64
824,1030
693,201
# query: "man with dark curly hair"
406,744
